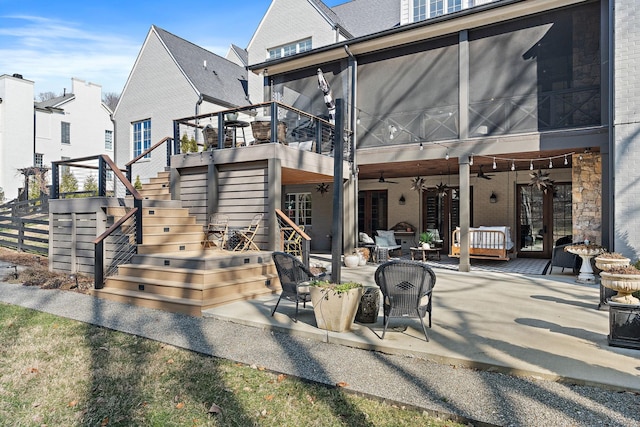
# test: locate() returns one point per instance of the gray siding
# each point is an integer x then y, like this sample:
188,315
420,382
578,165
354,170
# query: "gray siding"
71,236
193,192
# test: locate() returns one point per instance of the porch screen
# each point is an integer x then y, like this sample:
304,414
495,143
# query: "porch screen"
536,74
409,94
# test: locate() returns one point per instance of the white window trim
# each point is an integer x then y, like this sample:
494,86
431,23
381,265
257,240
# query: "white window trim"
298,45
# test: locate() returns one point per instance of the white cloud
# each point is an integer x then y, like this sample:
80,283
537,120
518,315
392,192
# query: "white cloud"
50,52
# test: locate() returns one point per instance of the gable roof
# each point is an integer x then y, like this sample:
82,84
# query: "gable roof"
55,102
363,17
213,76
240,53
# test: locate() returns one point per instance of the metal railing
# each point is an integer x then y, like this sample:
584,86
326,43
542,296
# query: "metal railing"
146,165
268,122
119,240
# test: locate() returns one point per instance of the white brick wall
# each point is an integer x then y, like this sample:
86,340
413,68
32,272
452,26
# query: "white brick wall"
627,128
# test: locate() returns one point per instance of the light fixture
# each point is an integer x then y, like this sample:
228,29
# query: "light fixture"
421,146
550,163
530,165
322,188
446,156
471,160
402,200
358,120
493,198
392,131
566,162
513,165
494,163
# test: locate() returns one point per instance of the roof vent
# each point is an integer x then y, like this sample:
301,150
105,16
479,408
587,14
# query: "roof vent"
205,64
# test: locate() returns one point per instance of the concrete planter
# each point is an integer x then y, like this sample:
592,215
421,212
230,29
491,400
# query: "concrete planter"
625,284
335,311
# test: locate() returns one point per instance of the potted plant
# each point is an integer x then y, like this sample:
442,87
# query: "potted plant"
608,260
425,239
335,305
624,308
605,262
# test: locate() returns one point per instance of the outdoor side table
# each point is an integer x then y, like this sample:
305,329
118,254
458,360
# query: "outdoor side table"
424,253
369,306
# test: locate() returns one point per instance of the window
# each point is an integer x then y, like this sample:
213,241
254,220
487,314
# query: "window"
64,168
108,140
298,208
65,136
438,7
289,49
141,137
37,160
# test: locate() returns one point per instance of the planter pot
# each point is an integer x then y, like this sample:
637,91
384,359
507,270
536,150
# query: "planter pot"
606,264
335,311
351,260
625,284
624,325
426,246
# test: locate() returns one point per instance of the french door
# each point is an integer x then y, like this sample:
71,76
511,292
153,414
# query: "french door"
441,211
372,211
544,217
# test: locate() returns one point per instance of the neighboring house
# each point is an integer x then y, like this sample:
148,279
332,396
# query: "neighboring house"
73,125
171,78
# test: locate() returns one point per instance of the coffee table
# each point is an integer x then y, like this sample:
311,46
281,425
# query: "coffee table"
424,253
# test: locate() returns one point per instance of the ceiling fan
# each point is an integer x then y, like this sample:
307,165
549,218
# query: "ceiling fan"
381,179
481,174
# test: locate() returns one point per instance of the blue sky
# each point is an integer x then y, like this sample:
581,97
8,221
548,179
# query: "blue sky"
49,42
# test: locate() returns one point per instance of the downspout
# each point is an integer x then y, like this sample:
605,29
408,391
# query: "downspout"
611,183
353,64
198,103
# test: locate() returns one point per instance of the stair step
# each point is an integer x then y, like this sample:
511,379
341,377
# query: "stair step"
158,302
160,220
202,278
171,228
155,196
168,247
160,238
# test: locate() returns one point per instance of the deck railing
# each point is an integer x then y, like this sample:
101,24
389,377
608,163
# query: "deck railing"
285,223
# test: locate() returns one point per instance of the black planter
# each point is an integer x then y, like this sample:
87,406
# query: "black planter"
624,325
605,294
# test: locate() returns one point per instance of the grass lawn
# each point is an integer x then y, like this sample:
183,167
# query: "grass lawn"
59,372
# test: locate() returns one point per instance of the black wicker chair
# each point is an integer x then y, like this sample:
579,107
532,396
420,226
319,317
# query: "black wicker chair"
563,259
294,278
406,288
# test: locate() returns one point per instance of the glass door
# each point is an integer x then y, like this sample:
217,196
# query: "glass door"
372,211
544,217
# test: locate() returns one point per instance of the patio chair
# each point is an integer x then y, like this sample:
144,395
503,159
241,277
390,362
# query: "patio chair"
216,231
406,288
247,235
294,278
560,258
293,241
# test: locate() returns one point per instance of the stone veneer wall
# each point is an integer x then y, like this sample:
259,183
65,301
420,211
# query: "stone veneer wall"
587,197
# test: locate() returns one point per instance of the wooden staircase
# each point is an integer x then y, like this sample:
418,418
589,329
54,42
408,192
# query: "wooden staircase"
173,272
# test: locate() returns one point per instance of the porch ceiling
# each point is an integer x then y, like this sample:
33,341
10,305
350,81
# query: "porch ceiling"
295,176
442,166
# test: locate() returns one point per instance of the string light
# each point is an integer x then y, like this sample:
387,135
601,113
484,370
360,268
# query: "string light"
513,165
471,160
446,157
550,163
494,163
531,165
566,162
421,146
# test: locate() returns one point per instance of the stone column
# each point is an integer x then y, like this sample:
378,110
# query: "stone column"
587,197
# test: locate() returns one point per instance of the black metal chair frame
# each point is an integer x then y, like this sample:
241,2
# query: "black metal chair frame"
292,274
404,285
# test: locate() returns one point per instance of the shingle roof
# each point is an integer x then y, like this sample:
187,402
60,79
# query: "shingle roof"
221,79
333,17
54,102
242,53
363,17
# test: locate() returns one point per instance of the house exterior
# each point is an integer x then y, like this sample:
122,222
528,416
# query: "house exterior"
73,125
171,78
520,91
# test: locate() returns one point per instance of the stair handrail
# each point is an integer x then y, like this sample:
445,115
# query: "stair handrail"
171,149
306,240
98,243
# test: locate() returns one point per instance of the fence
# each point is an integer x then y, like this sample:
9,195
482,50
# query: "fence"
24,226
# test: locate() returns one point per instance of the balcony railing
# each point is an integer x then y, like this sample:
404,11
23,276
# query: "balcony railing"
270,122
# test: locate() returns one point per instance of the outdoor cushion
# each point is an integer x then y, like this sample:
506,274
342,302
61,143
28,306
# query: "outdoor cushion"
364,238
389,236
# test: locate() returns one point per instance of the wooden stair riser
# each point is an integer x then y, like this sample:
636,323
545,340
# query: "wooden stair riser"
172,228
196,277
198,262
161,238
156,196
197,294
156,185
159,220
157,304
168,247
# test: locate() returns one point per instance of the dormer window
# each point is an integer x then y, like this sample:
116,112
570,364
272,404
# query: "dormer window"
289,49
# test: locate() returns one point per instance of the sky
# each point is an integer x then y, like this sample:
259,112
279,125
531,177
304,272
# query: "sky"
49,41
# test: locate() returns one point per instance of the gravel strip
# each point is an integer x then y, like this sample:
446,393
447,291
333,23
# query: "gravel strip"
486,397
